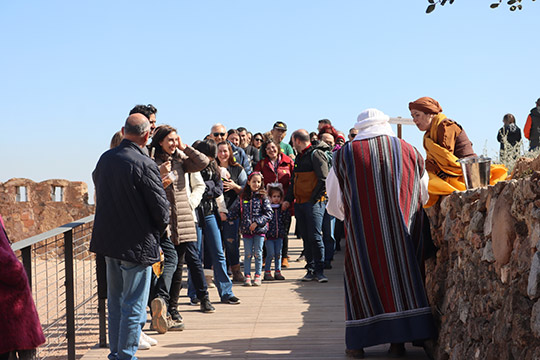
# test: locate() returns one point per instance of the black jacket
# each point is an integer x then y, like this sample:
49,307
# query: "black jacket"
132,210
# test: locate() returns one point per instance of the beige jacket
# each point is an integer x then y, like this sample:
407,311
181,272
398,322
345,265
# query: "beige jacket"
182,224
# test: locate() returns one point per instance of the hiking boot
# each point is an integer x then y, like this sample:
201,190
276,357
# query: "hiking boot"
233,300
159,315
206,306
247,280
285,263
237,276
267,276
175,315
257,281
308,277
321,278
278,276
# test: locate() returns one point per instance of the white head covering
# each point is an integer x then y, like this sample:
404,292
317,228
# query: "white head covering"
372,123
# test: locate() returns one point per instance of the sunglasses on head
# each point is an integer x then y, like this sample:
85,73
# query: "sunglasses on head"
219,134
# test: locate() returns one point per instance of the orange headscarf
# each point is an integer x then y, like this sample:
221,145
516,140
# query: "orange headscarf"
426,105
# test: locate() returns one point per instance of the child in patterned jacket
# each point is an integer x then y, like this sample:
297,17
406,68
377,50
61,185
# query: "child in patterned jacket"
277,229
254,211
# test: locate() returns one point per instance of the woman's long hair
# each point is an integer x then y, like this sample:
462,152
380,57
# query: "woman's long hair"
231,161
161,133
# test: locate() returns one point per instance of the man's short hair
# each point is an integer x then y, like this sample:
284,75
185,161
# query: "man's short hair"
139,128
325,121
300,135
241,128
146,110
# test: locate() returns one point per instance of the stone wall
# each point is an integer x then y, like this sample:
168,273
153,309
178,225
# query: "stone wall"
484,283
40,212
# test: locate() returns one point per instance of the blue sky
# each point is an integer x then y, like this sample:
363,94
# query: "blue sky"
72,70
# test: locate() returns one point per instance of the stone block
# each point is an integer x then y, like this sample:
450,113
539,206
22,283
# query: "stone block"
535,319
533,284
487,253
503,233
477,222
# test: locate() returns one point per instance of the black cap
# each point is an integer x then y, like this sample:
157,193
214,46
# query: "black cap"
280,125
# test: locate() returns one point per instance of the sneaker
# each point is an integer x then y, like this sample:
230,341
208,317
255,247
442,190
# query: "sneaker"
175,315
159,315
267,276
247,280
176,325
148,339
308,277
257,281
194,302
143,345
278,276
233,300
321,278
207,307
285,263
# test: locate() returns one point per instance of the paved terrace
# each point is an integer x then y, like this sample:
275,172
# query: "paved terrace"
279,320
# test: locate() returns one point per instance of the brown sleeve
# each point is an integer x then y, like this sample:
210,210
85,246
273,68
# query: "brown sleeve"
196,161
447,133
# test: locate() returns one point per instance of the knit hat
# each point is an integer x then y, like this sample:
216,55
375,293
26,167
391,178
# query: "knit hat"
426,105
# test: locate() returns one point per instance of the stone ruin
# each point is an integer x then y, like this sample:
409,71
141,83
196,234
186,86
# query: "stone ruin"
29,208
484,283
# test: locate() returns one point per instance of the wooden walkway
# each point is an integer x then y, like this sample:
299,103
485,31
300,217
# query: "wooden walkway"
280,320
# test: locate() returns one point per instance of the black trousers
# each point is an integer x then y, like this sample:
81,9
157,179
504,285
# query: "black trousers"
188,251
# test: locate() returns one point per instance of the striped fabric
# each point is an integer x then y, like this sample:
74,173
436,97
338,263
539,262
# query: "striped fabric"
385,296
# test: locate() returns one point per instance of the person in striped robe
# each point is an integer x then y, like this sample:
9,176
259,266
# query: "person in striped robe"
378,185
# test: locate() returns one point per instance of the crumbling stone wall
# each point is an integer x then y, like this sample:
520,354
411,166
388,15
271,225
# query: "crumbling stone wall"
484,283
40,212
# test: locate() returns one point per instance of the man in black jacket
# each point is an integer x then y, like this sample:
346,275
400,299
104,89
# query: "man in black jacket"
132,212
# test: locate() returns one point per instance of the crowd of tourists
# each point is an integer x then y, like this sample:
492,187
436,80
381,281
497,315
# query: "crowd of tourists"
161,202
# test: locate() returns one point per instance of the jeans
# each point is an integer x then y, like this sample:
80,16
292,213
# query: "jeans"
273,251
253,248
190,252
309,220
211,240
229,235
127,294
329,223
161,286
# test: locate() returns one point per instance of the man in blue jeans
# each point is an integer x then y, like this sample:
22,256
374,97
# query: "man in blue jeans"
308,189
132,212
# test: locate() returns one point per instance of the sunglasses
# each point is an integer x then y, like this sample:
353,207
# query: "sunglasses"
257,139
218,134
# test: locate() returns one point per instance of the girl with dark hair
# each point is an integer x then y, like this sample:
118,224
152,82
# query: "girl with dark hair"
509,136
254,211
276,167
207,225
234,179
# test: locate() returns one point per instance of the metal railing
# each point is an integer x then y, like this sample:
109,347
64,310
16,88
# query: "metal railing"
62,275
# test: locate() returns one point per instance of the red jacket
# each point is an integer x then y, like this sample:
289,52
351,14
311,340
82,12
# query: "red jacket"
282,175
20,329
